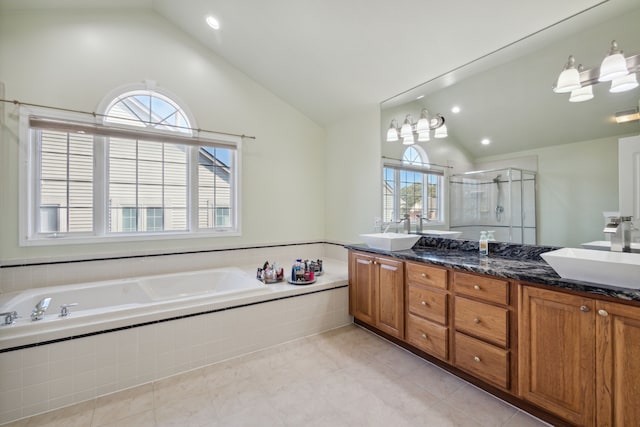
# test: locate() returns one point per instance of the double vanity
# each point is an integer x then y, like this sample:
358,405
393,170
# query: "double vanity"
564,350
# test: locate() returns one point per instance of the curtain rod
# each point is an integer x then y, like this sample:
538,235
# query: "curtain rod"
94,114
422,163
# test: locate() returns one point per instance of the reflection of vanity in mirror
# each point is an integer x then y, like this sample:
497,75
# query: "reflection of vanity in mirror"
550,166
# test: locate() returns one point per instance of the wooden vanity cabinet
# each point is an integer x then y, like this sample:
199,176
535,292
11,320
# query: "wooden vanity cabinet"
557,353
427,309
482,323
580,357
376,292
572,357
362,287
617,364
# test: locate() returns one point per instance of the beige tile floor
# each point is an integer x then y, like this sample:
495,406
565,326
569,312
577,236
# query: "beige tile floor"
344,377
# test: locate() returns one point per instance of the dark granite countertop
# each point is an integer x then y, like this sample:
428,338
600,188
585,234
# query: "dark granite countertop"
516,262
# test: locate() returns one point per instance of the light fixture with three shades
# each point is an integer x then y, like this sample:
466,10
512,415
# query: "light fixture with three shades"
615,68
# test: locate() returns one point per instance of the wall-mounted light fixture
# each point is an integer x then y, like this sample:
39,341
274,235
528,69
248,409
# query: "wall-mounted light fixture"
615,68
421,128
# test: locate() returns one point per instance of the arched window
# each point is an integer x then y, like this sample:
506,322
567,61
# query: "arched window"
415,156
140,172
150,109
412,188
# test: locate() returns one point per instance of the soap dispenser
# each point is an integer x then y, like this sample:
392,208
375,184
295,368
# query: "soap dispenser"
484,243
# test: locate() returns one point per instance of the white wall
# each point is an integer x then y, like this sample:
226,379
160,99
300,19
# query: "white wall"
353,176
72,59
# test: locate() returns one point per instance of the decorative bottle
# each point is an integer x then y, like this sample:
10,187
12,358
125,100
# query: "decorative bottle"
484,243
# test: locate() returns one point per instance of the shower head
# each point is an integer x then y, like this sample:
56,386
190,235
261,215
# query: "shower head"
497,178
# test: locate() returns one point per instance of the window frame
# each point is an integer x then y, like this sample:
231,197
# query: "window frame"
399,166
29,179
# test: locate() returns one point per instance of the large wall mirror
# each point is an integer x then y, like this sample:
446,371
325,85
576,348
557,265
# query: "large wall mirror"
507,98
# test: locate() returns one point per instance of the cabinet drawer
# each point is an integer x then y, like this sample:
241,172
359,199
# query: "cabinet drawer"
482,360
486,288
420,274
482,320
428,336
431,305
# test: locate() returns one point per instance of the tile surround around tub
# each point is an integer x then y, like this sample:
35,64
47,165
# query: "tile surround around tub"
43,378
57,272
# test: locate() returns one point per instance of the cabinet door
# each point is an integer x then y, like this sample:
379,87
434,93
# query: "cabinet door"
362,289
557,353
390,296
618,364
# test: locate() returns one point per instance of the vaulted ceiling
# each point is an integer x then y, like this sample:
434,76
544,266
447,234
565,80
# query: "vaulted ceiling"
332,58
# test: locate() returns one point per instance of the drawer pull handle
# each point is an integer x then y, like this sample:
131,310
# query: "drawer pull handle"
476,320
423,302
584,308
603,313
476,287
424,275
424,336
476,359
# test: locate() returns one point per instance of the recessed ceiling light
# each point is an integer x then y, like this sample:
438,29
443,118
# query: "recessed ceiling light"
485,141
455,109
213,22
628,116
420,97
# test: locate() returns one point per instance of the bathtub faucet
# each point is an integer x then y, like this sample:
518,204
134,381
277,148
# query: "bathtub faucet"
64,309
40,308
9,317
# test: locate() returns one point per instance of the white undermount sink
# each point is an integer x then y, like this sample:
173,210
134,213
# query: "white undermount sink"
589,265
390,241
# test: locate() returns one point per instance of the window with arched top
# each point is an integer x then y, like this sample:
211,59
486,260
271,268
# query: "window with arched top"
411,187
138,169
147,108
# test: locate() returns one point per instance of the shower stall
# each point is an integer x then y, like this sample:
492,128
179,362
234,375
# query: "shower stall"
500,200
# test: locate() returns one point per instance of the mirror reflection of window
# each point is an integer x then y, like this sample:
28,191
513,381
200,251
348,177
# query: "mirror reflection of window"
412,188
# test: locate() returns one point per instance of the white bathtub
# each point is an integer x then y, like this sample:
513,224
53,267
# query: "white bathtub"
121,303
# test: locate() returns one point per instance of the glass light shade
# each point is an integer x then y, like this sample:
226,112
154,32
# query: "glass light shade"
441,132
582,94
408,140
612,67
568,80
405,130
623,84
392,134
422,125
423,137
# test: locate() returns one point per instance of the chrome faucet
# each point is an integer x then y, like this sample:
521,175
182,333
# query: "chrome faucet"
64,309
40,308
9,317
620,230
407,223
422,220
